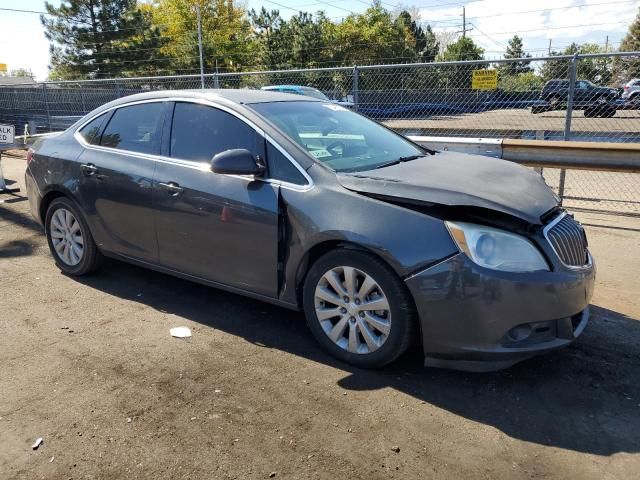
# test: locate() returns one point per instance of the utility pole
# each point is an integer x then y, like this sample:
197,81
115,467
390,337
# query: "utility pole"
200,45
606,44
549,47
464,22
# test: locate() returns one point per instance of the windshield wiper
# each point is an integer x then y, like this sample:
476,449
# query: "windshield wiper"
400,160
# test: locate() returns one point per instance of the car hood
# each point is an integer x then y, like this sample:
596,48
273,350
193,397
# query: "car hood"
457,179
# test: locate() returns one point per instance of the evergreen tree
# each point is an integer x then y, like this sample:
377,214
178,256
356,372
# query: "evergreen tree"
515,49
459,76
425,45
100,38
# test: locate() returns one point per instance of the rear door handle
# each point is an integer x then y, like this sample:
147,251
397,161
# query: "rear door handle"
172,188
88,169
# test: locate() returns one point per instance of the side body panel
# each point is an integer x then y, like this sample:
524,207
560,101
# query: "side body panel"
405,239
118,197
219,227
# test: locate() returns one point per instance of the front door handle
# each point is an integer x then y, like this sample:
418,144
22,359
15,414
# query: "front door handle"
89,169
172,188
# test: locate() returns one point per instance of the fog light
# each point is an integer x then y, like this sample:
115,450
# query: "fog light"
519,333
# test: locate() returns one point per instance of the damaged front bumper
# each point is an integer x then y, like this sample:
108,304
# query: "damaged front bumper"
474,318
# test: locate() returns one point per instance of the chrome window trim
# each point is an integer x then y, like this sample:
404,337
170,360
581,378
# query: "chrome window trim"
545,231
193,164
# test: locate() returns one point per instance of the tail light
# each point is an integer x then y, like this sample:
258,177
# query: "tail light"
30,153
626,87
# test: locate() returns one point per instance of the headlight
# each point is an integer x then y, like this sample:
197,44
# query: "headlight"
496,249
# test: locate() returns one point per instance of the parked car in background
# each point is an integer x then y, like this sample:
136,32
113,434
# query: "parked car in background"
307,92
631,91
594,100
305,204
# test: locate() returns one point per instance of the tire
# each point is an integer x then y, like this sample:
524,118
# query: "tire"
57,230
399,320
590,113
554,101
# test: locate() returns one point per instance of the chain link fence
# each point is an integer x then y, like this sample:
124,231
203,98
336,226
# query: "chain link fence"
578,97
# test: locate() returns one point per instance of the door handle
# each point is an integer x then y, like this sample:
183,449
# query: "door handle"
172,188
88,169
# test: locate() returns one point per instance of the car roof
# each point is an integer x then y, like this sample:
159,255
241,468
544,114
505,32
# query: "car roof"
292,87
237,96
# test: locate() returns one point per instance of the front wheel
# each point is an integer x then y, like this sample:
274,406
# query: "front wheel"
358,308
69,238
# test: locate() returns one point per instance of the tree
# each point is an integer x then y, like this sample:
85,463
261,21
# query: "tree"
522,82
271,46
597,70
372,37
21,72
459,76
425,45
463,49
626,68
515,49
227,40
100,38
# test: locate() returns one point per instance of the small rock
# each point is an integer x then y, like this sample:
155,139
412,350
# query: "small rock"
37,443
51,459
128,419
272,474
395,448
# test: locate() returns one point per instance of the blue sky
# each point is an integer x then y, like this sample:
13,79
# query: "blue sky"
23,45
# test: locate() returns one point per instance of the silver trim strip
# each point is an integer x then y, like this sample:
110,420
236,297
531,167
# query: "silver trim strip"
545,231
198,165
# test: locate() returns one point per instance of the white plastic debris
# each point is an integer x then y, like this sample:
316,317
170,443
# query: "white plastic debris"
180,332
37,443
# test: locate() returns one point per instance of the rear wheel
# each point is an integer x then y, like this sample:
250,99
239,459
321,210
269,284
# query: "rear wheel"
69,238
358,309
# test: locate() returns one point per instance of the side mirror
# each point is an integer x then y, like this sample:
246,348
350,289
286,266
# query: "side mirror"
237,161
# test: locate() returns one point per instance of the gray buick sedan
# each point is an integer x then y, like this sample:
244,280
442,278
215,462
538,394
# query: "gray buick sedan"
308,205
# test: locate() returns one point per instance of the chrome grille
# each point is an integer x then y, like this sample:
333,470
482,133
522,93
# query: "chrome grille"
568,240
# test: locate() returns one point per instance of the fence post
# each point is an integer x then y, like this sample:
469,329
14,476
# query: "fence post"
572,87
354,87
573,68
46,105
118,92
84,107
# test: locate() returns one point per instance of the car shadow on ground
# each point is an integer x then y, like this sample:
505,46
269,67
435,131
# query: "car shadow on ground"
584,398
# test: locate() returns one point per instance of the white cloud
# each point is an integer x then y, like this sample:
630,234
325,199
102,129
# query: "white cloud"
564,21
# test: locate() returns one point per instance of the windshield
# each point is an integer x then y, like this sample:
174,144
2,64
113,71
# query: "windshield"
338,137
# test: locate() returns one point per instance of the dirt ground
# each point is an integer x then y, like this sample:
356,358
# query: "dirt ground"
88,365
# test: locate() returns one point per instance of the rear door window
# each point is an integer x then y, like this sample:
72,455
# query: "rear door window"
199,132
136,128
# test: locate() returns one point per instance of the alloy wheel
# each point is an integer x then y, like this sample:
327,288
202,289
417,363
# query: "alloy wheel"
66,237
352,310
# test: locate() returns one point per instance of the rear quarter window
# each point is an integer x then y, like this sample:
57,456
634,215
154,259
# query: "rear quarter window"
90,132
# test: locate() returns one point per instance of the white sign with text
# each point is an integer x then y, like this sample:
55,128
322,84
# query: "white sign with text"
7,133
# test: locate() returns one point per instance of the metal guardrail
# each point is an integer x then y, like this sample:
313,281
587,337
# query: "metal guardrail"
612,157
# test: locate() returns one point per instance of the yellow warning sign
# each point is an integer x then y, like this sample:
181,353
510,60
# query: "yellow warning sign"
3,67
484,80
